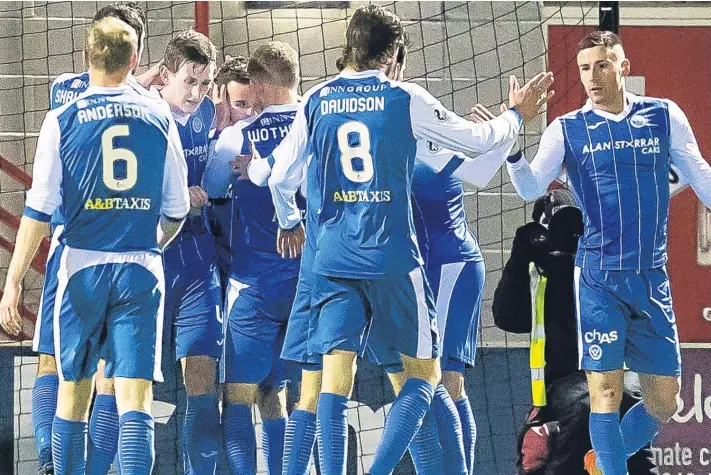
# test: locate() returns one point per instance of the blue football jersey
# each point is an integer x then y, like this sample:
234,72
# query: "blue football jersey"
362,130
254,252
64,89
195,135
619,171
440,220
112,159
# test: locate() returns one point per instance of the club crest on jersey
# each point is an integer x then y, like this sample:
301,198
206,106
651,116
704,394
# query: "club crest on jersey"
639,121
198,125
441,115
433,147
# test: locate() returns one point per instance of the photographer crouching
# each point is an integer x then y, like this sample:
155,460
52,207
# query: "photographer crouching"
536,295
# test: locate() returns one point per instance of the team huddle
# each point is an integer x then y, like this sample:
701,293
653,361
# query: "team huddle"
218,212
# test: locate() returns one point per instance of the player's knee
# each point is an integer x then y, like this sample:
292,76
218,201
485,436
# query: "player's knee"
241,393
605,399
133,395
660,395
425,369
662,406
73,399
606,390
453,382
272,403
104,385
397,380
199,375
310,391
339,369
663,410
46,366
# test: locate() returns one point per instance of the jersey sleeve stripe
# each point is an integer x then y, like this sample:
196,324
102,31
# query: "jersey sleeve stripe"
37,215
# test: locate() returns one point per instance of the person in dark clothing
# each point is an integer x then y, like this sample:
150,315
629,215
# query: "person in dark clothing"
536,295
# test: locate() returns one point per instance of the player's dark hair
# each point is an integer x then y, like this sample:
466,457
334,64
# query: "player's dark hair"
275,63
129,13
597,38
110,43
233,69
188,46
373,34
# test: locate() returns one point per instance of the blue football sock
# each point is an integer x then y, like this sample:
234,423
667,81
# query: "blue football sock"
606,438
136,450
425,449
273,444
638,428
332,433
466,417
69,446
403,422
449,428
103,435
240,440
44,405
200,433
299,440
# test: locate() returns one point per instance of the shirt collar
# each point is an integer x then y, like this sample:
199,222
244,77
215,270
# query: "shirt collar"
630,99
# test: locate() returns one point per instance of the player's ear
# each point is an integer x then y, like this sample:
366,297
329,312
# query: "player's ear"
133,63
164,73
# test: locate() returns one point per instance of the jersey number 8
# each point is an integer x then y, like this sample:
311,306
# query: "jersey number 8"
361,150
113,154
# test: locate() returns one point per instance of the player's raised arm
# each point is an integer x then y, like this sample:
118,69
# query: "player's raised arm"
432,121
42,200
532,180
176,200
685,154
287,162
477,171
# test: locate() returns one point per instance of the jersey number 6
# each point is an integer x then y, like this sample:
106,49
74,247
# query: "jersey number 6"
361,150
113,154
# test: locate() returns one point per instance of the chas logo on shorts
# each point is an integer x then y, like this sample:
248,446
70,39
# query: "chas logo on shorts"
601,338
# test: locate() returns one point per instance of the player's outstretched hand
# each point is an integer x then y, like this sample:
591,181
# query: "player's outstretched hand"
290,242
218,94
10,320
151,76
198,197
529,99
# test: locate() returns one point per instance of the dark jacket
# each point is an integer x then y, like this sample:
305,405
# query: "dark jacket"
566,386
512,301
